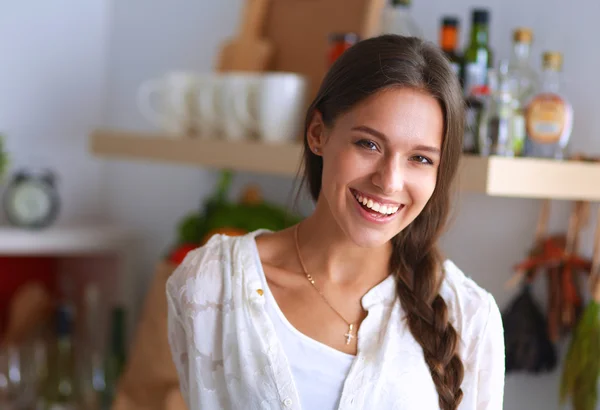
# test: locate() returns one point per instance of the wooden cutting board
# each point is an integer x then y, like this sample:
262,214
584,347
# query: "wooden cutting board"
300,29
249,51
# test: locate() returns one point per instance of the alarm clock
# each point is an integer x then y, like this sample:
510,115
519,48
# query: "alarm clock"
31,200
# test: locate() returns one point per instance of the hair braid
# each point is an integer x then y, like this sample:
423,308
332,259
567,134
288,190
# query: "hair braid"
427,315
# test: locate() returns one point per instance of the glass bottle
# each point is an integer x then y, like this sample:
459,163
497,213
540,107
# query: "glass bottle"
477,55
449,42
93,380
526,83
338,44
477,60
549,115
520,67
497,123
397,19
60,388
116,355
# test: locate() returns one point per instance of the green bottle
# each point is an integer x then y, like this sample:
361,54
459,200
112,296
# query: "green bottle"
477,60
478,55
60,388
116,356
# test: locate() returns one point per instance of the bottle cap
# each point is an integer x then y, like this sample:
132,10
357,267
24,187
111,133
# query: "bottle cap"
552,60
480,16
523,35
450,21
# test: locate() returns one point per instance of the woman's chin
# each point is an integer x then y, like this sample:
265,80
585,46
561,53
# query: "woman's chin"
369,238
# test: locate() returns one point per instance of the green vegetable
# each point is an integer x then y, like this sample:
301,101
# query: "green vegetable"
219,212
582,364
191,229
250,217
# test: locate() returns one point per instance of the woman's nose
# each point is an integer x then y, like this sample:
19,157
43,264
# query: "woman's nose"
390,176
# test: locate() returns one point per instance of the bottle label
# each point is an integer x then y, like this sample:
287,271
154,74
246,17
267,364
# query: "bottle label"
546,118
475,76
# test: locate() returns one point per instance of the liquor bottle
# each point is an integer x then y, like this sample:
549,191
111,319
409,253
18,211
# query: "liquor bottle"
93,382
526,83
449,43
497,130
116,355
397,19
549,115
477,60
60,388
478,55
520,67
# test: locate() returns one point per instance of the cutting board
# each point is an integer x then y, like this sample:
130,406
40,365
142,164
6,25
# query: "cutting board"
249,51
300,29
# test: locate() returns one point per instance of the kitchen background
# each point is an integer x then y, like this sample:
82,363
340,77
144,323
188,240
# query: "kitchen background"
71,67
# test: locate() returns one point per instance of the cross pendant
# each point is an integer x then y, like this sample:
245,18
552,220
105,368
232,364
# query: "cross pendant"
349,336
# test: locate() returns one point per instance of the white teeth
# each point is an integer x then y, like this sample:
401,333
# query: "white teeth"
377,207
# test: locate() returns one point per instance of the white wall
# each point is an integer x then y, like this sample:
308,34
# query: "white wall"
488,235
52,84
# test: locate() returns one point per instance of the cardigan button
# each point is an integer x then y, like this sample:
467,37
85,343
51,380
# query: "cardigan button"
287,402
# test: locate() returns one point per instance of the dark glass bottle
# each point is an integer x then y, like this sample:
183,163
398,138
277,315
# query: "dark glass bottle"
116,355
449,33
477,60
60,388
478,55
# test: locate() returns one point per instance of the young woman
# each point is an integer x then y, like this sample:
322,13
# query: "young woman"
353,308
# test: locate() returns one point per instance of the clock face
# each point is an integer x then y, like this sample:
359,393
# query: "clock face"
30,203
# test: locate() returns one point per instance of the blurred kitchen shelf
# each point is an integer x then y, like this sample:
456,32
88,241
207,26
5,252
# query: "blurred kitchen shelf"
494,176
250,156
531,178
63,240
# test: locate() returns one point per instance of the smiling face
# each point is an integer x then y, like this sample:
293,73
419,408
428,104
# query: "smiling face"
380,163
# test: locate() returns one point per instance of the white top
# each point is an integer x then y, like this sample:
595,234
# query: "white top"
228,354
319,371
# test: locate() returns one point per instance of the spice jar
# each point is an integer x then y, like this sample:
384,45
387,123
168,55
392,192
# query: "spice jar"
338,43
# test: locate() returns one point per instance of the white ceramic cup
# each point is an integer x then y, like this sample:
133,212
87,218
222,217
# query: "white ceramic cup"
169,102
280,104
208,95
237,105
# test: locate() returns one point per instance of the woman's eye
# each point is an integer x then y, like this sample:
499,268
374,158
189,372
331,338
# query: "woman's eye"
423,160
368,144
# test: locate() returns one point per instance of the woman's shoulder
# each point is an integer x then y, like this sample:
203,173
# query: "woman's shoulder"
206,269
472,309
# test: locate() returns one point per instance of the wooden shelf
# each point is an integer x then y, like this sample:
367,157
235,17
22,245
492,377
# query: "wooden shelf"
495,176
250,156
64,240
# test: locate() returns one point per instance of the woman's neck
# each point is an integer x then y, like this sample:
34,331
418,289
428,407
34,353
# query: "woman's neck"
328,254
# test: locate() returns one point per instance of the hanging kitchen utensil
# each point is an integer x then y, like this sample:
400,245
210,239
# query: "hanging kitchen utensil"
250,50
526,341
579,380
571,302
526,270
527,345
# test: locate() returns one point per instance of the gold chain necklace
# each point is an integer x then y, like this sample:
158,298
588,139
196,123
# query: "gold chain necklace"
348,335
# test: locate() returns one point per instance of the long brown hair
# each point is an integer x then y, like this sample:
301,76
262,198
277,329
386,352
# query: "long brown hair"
366,68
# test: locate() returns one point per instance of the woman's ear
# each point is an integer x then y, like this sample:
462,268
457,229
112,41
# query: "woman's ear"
315,133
